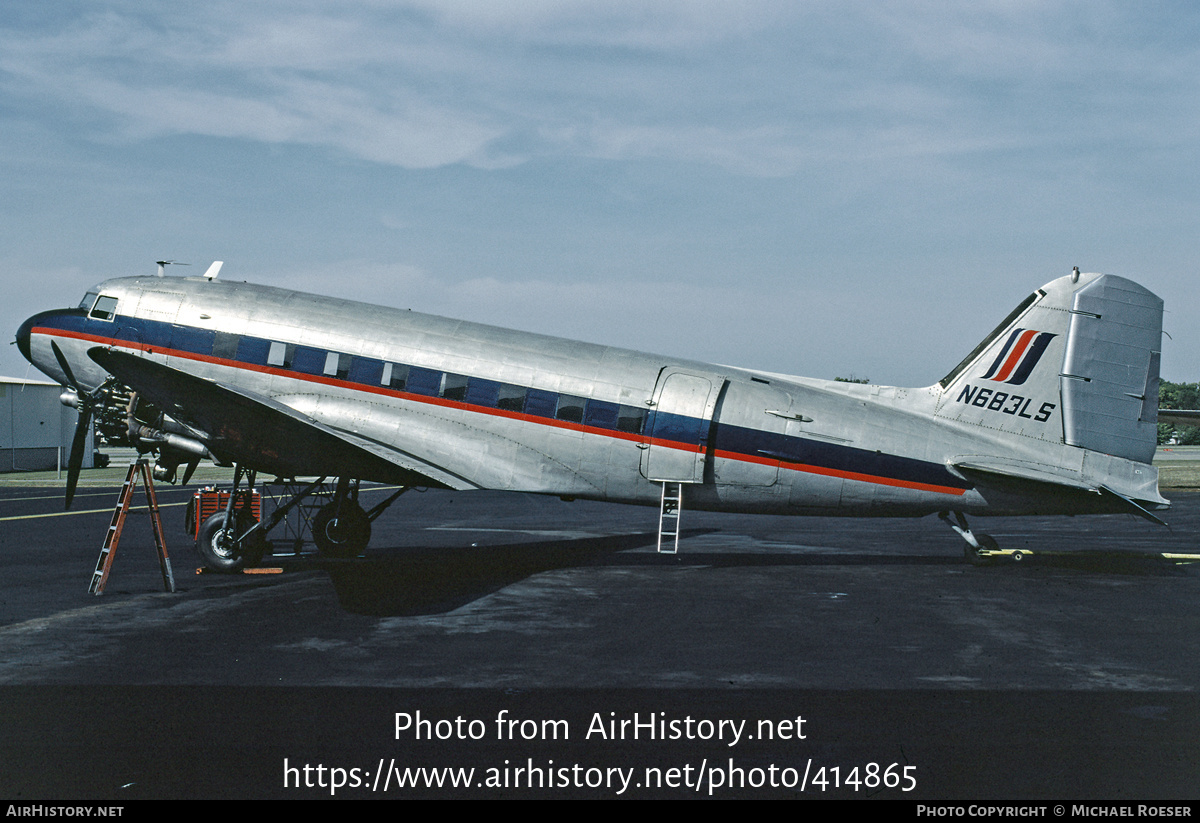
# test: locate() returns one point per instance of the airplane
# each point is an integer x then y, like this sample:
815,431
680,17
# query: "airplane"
1054,412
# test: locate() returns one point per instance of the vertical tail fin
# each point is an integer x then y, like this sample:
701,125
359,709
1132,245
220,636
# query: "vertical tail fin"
1076,363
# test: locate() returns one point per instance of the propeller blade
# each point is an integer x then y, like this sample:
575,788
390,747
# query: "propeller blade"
187,473
64,365
77,446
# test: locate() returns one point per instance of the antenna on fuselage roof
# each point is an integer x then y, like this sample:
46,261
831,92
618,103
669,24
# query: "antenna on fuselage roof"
162,266
214,268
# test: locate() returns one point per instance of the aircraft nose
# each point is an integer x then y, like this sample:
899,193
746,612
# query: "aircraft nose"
23,338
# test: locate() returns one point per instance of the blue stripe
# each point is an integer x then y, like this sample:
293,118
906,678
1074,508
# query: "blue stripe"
484,394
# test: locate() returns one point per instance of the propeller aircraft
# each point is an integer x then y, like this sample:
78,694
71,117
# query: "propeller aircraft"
1054,412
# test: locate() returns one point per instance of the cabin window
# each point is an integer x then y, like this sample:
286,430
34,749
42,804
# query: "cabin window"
105,308
394,376
602,415
631,419
454,386
278,355
225,345
570,408
337,365
511,398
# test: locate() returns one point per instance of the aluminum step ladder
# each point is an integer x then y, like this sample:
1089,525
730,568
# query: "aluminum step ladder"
117,524
669,510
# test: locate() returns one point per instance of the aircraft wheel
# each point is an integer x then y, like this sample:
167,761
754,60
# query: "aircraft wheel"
344,536
1018,556
217,545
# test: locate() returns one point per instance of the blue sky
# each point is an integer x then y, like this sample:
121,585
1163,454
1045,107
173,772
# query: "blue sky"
820,188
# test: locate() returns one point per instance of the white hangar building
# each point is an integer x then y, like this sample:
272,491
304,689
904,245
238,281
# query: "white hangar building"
35,428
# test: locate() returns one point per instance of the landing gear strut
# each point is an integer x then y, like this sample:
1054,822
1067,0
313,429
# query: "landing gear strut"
979,548
341,528
232,539
220,547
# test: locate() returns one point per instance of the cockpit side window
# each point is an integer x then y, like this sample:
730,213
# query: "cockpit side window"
105,308
88,300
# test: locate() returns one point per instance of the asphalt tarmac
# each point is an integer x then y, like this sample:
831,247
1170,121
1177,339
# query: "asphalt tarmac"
546,645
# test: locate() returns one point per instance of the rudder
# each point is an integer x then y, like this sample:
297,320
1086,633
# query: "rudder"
1076,363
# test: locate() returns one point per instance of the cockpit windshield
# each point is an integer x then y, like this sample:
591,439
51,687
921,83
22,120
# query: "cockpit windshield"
105,308
88,300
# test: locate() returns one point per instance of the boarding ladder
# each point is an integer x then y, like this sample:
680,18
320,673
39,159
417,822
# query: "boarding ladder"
141,467
668,517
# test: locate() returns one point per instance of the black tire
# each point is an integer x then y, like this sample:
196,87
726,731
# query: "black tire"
220,553
346,535
217,547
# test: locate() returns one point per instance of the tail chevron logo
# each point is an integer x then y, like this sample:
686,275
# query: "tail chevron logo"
1021,352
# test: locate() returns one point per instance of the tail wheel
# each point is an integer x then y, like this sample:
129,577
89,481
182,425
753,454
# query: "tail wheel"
341,534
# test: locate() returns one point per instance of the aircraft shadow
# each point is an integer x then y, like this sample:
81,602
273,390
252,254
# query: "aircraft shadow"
408,582
427,580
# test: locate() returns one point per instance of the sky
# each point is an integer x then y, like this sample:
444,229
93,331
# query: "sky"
816,188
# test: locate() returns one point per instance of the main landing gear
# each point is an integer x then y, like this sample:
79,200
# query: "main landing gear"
342,528
233,538
979,549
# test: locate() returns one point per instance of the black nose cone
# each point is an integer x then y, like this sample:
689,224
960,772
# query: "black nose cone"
23,338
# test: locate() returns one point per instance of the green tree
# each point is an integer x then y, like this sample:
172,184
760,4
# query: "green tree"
1178,396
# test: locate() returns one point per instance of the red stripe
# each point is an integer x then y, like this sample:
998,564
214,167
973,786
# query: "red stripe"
346,384
1015,357
845,475
511,415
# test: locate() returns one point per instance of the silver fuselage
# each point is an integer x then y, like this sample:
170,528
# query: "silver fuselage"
593,421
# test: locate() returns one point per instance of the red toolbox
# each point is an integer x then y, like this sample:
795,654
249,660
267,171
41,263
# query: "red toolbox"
208,501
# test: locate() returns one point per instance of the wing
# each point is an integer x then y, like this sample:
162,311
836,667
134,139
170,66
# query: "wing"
244,427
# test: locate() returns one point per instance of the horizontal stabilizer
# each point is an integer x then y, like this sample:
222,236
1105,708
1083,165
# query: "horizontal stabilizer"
998,471
1179,417
1133,505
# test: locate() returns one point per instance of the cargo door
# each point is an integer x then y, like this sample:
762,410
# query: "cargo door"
680,425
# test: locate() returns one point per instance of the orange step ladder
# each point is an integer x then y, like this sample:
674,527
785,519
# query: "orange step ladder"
109,550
